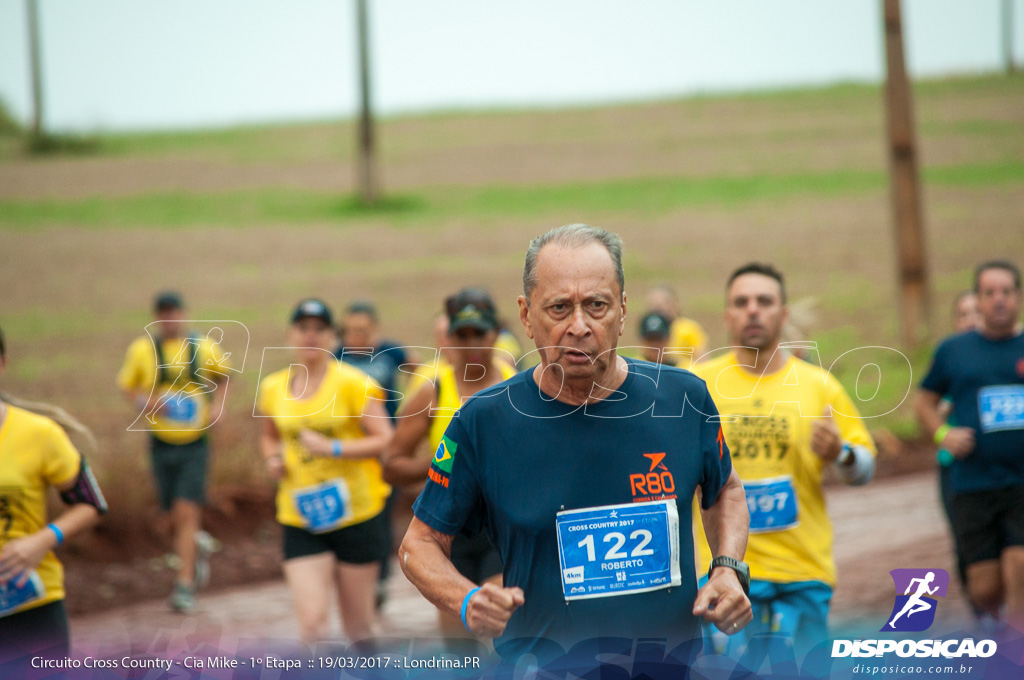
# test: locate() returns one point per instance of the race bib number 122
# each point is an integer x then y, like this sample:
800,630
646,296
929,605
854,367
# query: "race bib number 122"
619,549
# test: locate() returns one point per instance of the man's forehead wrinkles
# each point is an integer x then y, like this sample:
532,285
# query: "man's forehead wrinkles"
576,296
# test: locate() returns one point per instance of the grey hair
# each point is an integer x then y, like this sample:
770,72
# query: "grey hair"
572,236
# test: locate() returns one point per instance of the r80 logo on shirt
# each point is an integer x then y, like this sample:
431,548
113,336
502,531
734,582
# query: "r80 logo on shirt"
655,484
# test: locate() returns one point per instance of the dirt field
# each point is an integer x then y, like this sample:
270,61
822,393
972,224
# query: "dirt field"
794,178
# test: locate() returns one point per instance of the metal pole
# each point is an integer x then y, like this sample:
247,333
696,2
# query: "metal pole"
35,62
1008,36
367,174
904,184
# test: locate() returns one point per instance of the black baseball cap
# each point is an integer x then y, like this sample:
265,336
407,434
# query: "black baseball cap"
313,308
655,325
471,308
168,300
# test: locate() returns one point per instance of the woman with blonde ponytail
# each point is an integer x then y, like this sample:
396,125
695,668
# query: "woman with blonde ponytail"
35,454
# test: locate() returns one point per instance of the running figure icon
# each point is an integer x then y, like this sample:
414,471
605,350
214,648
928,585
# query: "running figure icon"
915,604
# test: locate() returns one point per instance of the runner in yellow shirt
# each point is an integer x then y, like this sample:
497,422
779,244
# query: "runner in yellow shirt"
687,339
324,427
177,382
36,454
785,420
426,413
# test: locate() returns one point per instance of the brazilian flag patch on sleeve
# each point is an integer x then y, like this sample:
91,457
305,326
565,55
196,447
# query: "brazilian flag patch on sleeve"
445,454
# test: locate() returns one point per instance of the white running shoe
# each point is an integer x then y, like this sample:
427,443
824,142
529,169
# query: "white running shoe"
206,545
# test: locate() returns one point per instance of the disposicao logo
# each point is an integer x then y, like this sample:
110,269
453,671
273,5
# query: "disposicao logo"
913,612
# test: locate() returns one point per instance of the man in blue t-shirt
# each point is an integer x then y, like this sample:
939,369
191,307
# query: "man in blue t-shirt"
982,373
583,471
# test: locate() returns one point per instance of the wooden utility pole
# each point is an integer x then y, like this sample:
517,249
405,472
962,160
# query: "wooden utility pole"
1008,36
35,63
904,185
367,170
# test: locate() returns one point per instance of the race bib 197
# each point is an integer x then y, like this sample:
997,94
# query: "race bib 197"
772,504
324,507
618,549
1001,407
12,597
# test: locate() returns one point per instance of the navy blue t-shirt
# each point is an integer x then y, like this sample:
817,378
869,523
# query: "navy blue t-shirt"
984,379
381,364
519,457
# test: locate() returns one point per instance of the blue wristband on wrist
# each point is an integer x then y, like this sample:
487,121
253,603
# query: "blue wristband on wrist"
465,605
60,534
336,448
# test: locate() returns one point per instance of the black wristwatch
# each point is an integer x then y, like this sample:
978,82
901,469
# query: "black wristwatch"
741,569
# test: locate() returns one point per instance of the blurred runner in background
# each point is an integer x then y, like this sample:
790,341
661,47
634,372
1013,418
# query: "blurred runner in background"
785,420
982,373
323,429
177,382
686,334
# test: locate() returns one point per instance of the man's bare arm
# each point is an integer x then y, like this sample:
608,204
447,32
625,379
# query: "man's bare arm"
959,441
726,524
424,557
401,466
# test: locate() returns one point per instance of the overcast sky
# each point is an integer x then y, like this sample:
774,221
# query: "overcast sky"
137,64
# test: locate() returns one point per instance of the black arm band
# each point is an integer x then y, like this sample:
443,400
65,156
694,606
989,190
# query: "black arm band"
85,490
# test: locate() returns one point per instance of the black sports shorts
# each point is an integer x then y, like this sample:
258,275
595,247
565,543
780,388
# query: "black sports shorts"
361,543
40,631
985,522
180,471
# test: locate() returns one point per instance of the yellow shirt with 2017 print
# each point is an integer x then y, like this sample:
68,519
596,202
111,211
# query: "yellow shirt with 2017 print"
333,411
767,422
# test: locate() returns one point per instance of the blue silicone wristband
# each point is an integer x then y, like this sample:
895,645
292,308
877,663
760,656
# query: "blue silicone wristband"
465,605
60,534
336,448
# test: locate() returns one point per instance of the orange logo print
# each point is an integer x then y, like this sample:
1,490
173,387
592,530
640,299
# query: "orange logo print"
655,484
